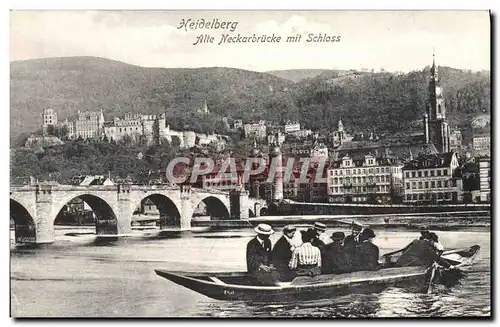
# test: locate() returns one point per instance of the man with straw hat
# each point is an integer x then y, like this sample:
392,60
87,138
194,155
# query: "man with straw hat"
259,255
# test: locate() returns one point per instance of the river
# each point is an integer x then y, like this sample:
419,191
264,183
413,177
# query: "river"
78,276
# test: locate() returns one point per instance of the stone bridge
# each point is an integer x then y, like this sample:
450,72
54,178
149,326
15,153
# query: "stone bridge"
34,208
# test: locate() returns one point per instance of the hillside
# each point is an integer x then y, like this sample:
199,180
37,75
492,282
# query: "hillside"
297,75
88,83
388,102
365,101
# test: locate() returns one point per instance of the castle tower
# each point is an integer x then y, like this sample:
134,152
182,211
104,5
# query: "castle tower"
435,126
49,118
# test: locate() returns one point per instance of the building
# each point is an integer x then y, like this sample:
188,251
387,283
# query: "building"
291,127
481,143
361,180
204,110
237,123
319,151
257,130
436,129
456,141
49,118
485,179
432,179
276,139
89,124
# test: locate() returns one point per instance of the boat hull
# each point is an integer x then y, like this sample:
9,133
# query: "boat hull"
304,288
237,286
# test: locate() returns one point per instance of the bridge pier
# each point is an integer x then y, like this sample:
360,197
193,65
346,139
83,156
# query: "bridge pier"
124,210
44,218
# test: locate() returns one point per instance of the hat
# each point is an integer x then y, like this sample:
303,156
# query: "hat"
356,226
289,228
338,236
319,226
368,233
424,228
264,229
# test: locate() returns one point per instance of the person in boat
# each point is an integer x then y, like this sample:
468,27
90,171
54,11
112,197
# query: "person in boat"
321,235
437,245
421,252
282,253
334,258
259,256
426,234
367,253
353,240
306,259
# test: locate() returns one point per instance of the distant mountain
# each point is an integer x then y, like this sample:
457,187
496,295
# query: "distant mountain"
89,83
297,75
365,101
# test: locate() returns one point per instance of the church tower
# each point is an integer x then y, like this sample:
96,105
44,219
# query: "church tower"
436,128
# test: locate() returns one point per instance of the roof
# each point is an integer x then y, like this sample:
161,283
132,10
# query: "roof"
440,160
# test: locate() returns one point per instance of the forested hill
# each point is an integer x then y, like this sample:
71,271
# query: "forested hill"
385,101
88,83
381,101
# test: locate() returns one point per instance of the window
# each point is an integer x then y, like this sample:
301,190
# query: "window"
445,172
432,173
445,184
407,174
439,172
419,174
426,184
407,186
439,184
433,184
413,185
426,173
377,170
419,184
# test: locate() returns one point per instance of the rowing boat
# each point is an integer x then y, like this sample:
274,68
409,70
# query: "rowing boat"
233,286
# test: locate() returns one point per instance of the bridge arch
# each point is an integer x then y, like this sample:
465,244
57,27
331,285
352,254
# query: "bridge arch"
104,217
170,215
215,208
24,225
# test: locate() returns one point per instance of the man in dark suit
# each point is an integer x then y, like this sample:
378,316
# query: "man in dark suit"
353,240
334,258
282,253
367,254
259,256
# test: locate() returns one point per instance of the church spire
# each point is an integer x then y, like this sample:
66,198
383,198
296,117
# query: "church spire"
434,68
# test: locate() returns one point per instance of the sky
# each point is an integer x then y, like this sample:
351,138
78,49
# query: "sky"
392,40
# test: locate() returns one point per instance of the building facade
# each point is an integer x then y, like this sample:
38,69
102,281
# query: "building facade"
431,179
292,127
456,141
366,180
485,179
257,130
481,143
89,125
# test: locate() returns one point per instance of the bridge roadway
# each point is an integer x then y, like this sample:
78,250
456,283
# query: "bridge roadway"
34,208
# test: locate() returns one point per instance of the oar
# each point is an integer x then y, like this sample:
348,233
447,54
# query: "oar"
433,272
